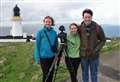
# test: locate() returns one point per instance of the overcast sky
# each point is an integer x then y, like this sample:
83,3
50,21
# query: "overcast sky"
63,11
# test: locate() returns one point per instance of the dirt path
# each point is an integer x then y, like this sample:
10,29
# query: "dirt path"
109,70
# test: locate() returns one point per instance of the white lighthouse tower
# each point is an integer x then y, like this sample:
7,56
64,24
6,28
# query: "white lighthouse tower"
17,29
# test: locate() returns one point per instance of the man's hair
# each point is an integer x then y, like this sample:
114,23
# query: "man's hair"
49,17
89,11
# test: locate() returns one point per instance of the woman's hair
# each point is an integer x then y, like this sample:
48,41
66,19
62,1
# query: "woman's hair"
89,11
73,24
49,17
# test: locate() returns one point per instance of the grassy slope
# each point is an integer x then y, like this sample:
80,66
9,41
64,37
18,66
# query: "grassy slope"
17,64
110,46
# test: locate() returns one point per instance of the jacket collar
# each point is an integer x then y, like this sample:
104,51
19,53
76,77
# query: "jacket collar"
48,29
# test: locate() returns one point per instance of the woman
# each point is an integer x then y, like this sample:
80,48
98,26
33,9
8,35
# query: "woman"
46,44
73,58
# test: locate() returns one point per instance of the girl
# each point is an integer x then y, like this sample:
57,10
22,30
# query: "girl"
46,44
73,58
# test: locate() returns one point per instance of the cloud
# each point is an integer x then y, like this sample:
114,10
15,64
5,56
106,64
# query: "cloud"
63,11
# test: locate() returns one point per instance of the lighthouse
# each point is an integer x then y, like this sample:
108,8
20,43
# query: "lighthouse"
17,29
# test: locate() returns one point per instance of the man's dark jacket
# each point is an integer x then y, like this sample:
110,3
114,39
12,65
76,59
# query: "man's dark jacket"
92,40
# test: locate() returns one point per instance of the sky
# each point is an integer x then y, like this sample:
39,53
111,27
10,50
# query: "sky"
63,11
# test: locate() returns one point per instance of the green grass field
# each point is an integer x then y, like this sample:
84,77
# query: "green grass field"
110,46
16,64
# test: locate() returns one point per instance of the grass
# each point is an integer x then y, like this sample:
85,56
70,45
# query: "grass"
110,46
16,64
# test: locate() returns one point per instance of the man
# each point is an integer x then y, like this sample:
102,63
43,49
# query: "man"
92,40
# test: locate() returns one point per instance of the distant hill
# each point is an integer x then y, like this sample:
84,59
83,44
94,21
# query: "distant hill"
110,30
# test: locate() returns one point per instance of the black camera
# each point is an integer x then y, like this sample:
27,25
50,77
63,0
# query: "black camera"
62,35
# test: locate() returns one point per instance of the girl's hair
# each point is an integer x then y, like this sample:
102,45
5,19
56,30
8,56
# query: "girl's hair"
49,17
73,24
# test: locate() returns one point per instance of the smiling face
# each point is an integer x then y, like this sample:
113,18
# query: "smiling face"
48,22
87,18
73,29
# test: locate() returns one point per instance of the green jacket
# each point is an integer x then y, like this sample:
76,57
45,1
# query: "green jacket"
73,45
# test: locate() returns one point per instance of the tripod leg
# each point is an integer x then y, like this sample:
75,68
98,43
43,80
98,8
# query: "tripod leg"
54,65
50,70
57,65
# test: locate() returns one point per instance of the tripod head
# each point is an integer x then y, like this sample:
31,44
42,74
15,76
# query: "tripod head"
62,35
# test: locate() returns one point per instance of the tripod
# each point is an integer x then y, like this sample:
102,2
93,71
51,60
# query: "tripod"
63,48
56,61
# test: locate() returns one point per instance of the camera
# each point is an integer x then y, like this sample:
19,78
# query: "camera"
62,35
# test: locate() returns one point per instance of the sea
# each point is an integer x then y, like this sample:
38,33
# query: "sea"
110,31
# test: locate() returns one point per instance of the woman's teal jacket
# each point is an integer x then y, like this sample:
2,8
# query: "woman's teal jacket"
42,45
